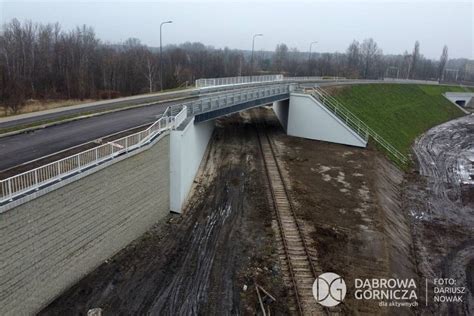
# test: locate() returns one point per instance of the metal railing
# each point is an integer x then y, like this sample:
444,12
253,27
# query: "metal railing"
412,81
235,97
201,83
34,179
356,124
213,82
314,78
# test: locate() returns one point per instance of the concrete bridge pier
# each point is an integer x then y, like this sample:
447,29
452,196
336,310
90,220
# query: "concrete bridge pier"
188,145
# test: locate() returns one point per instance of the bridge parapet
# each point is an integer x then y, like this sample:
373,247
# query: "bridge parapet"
32,180
230,99
211,82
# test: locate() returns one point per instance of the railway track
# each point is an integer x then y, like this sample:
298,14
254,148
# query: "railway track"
294,253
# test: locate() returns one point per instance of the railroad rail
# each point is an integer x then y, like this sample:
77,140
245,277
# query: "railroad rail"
295,250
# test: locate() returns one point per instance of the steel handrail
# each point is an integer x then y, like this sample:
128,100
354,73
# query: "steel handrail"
210,82
34,179
357,124
237,96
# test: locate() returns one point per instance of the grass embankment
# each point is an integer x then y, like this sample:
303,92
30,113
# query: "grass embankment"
399,112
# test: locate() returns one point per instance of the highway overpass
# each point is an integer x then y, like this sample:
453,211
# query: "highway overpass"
61,220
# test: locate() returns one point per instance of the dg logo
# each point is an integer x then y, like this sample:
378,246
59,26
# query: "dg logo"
329,289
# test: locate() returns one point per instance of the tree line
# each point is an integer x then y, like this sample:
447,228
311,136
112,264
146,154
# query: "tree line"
43,61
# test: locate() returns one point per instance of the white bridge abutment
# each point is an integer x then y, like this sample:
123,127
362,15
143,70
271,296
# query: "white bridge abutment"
462,100
303,116
187,147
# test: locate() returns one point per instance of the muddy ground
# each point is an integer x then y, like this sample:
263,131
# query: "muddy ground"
356,215
348,200
442,210
199,262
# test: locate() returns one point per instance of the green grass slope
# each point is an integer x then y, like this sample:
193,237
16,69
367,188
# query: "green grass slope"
399,112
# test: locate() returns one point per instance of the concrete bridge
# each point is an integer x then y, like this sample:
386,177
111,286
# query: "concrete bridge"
61,220
461,99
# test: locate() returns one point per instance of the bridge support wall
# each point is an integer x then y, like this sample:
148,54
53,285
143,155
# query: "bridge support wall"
281,109
188,145
50,242
308,118
461,99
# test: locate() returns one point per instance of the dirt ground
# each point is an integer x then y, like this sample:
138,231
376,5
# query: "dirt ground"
201,261
347,199
442,210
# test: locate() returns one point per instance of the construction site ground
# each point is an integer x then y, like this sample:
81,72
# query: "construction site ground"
354,206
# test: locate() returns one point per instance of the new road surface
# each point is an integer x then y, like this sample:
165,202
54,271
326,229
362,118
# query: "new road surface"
21,148
25,147
100,106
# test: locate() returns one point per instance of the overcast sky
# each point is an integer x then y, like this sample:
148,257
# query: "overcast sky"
395,25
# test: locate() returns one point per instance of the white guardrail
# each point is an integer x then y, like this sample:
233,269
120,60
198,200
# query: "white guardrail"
213,82
201,83
34,179
234,97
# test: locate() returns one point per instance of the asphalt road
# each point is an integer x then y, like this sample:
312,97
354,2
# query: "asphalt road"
94,107
21,148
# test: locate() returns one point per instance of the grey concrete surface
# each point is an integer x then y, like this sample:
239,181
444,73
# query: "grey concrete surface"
308,118
187,149
49,243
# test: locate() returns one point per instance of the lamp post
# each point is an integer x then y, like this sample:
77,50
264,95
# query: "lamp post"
310,47
253,46
161,56
309,56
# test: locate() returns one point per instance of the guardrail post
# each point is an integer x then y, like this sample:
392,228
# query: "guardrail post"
36,179
10,193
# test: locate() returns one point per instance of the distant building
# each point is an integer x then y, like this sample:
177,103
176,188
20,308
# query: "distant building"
469,68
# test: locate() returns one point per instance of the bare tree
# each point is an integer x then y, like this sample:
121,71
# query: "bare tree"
442,62
353,59
414,60
150,69
370,54
280,59
42,61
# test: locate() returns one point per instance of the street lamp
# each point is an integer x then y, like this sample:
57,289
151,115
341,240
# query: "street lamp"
253,46
310,46
309,56
161,55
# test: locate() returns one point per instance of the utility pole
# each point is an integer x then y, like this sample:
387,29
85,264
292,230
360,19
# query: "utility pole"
309,56
251,59
161,55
